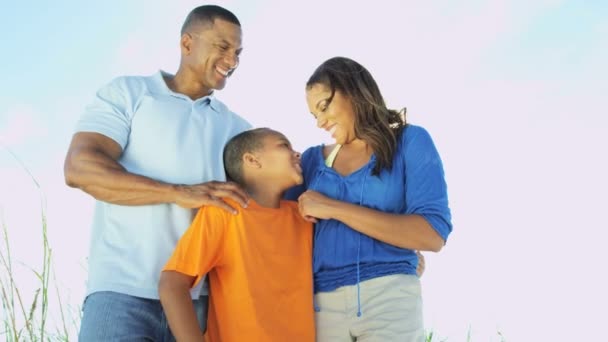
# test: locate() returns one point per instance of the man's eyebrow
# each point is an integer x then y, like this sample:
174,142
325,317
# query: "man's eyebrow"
224,41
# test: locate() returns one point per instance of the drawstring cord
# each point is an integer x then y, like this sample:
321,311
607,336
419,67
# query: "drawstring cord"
359,249
358,280
314,303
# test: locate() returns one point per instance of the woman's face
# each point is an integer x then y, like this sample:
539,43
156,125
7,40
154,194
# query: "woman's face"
337,117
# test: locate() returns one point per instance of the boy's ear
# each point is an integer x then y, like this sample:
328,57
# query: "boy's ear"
250,160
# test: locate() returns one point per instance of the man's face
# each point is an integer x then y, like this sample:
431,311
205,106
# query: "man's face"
212,52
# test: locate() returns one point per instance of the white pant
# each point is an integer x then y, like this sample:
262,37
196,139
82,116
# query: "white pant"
391,310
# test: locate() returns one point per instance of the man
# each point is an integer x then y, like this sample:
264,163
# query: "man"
149,149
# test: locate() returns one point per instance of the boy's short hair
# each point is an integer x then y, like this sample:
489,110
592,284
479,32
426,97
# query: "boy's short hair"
247,141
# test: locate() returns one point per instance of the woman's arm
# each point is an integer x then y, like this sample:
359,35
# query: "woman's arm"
405,231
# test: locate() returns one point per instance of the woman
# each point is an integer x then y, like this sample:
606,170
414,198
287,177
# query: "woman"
377,195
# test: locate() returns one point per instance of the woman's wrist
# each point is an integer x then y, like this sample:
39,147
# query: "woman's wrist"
334,209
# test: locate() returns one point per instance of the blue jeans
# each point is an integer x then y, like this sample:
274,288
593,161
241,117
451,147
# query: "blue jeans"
112,316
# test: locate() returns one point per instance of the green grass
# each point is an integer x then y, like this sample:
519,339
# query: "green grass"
432,337
21,320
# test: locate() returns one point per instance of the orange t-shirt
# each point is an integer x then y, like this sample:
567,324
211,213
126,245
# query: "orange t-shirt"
259,264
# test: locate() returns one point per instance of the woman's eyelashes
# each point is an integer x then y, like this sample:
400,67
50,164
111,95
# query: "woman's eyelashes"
324,106
322,109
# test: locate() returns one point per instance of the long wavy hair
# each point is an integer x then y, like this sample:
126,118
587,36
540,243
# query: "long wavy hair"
377,125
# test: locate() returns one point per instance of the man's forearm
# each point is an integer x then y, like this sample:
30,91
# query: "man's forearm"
92,165
108,181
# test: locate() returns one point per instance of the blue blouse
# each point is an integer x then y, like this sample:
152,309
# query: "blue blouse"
414,185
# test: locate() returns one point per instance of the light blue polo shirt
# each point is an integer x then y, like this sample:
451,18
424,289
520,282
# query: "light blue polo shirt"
164,136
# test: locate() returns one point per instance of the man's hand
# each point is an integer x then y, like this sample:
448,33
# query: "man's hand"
210,193
92,166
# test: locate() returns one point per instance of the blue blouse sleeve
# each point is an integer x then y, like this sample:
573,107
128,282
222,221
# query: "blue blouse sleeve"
426,189
293,193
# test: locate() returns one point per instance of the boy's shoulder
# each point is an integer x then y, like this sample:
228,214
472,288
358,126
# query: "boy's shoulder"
294,210
217,214
290,207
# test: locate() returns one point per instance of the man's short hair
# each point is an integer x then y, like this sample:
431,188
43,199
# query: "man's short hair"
247,141
206,15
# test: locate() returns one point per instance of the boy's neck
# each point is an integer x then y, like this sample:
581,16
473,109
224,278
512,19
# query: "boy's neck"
265,196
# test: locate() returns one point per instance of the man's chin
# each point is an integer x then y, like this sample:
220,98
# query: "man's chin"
219,82
220,85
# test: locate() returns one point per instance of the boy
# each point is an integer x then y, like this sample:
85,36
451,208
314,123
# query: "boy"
258,260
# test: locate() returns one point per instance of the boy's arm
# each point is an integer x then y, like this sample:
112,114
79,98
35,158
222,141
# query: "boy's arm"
198,251
174,289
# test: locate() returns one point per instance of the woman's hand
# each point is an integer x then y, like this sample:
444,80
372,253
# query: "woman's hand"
421,264
409,231
314,205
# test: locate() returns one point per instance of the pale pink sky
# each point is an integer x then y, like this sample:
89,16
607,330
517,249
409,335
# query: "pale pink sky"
512,92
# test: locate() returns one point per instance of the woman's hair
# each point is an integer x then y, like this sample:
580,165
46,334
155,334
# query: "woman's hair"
377,125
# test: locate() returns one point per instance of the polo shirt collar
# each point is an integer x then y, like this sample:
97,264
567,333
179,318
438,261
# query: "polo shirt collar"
209,99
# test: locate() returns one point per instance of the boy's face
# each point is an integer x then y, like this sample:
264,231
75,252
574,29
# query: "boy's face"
279,161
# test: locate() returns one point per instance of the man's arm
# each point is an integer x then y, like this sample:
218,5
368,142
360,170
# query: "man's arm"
174,289
92,165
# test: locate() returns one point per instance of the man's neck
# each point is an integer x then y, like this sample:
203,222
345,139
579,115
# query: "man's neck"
185,83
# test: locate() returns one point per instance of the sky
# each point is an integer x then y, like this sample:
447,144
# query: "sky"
512,92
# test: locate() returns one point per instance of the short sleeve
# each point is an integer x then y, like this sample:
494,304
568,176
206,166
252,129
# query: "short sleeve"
201,247
240,125
109,113
244,125
426,188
